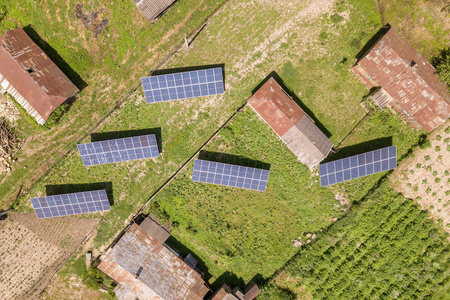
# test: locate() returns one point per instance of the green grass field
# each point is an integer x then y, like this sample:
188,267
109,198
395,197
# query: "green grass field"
106,68
236,234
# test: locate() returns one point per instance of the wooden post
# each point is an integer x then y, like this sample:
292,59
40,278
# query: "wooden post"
186,42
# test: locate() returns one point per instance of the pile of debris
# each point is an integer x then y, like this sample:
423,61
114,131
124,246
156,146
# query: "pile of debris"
8,144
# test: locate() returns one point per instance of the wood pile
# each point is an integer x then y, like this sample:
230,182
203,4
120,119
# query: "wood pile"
8,144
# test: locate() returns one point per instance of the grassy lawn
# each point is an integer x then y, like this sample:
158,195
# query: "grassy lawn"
106,67
237,234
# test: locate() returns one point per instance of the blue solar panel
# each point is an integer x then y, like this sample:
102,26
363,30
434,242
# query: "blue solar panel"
70,204
183,85
111,151
358,166
230,175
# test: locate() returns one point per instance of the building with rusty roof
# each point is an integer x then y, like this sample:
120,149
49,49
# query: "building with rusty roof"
250,292
152,9
146,268
29,75
405,80
295,128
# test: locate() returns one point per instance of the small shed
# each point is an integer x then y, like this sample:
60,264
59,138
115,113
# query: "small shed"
145,268
30,76
295,128
152,9
405,80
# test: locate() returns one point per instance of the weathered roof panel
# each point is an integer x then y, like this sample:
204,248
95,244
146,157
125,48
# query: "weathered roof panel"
151,9
409,79
32,73
163,272
155,230
291,123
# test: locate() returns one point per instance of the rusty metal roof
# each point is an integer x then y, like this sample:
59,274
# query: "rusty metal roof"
155,230
276,108
163,276
151,9
291,123
32,73
409,79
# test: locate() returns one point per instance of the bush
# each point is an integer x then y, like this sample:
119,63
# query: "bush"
424,144
92,277
442,65
427,157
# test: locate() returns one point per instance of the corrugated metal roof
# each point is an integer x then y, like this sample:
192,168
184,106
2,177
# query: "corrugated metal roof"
164,275
251,291
155,230
151,9
32,73
409,79
291,123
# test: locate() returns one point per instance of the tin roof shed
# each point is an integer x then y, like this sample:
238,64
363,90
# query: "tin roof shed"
146,269
152,9
295,128
30,76
410,81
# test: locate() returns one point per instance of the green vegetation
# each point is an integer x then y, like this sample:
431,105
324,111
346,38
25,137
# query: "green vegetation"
130,47
385,248
238,233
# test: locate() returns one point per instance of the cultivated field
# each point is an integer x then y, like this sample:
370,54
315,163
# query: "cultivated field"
425,176
33,250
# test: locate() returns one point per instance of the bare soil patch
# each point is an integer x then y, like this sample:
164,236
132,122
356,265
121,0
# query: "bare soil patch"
33,250
425,176
92,20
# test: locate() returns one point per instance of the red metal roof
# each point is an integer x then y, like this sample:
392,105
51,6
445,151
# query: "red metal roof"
275,107
409,79
46,87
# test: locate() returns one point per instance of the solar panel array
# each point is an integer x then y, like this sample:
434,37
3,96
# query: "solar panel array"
183,85
111,151
230,175
70,204
358,166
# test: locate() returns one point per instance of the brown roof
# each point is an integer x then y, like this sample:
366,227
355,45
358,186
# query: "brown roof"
155,230
251,290
163,275
153,8
409,79
46,87
291,123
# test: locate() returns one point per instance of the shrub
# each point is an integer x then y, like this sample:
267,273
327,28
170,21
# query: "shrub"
425,144
434,173
438,138
92,277
447,130
447,140
440,157
411,171
442,64
425,181
446,172
428,190
437,148
418,166
427,157
437,180
335,18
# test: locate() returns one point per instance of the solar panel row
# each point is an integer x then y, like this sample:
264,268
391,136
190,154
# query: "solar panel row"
358,166
111,151
70,204
230,175
183,85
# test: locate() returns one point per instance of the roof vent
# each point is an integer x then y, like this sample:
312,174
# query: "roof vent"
414,65
139,271
30,70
